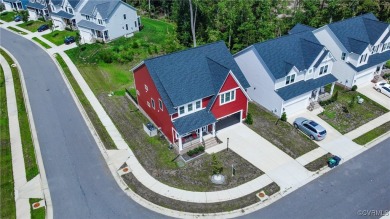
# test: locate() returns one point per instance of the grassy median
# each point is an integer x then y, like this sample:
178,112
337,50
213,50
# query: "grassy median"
371,135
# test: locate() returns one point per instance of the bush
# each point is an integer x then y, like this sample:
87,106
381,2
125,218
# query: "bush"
331,100
195,151
353,101
284,117
68,29
106,56
249,119
386,76
354,88
41,19
55,34
135,45
29,23
216,164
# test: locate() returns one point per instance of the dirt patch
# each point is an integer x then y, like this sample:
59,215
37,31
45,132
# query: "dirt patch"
281,134
318,163
158,160
163,201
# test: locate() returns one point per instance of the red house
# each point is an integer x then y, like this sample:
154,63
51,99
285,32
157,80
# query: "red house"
193,93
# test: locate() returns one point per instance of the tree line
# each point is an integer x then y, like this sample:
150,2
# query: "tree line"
241,23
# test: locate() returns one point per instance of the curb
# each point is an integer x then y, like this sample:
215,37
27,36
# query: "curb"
37,150
377,140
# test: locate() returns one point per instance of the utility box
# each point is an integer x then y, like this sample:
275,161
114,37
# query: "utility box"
150,129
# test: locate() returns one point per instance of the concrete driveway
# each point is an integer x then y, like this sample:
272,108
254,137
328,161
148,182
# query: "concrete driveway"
280,167
334,142
369,91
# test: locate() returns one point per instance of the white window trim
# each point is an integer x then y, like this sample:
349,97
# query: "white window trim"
194,109
323,70
160,105
289,81
146,88
153,103
222,95
147,102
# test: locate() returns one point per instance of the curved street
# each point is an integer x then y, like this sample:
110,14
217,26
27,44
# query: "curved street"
80,183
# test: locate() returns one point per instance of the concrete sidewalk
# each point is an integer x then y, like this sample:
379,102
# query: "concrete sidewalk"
368,126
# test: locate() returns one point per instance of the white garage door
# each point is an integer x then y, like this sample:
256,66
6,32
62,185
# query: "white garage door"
295,107
364,79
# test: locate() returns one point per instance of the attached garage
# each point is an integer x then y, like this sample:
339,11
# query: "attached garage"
293,107
228,121
359,80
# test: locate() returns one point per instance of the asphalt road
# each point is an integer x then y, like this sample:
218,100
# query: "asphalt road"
80,183
351,190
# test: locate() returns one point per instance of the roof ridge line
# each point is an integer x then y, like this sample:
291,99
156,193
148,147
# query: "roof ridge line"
358,40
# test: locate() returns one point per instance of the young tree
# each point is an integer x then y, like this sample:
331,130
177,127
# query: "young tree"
25,15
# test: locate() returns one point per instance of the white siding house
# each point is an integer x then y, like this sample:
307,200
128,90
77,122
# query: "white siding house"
107,20
360,52
11,5
63,13
288,73
37,9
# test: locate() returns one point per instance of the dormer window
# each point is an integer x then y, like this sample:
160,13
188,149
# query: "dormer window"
343,56
87,17
197,104
363,58
70,10
100,21
189,107
181,110
290,79
324,69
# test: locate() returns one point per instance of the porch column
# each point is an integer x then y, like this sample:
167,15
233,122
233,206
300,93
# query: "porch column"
331,89
317,94
180,144
200,135
213,129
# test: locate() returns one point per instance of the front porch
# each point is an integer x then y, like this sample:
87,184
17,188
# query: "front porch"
320,94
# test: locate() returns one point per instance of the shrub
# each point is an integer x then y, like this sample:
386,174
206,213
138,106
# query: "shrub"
195,151
135,45
331,100
353,101
216,164
249,119
68,29
29,23
284,117
41,19
354,88
386,76
106,56
54,34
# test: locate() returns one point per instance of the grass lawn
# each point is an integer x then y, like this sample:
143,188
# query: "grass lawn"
100,129
318,163
32,25
7,16
7,200
155,39
39,213
283,135
17,30
371,135
27,143
57,37
41,42
359,114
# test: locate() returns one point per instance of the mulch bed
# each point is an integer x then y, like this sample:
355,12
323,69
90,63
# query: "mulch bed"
173,204
318,163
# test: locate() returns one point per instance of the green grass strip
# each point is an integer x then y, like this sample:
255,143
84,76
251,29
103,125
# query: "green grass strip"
41,42
371,135
24,126
7,198
17,30
100,129
39,213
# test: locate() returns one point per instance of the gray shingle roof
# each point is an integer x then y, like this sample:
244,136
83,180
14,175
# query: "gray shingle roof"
56,2
356,33
386,37
281,54
62,14
90,25
193,121
192,74
298,28
321,58
104,7
74,3
302,87
35,5
373,60
13,1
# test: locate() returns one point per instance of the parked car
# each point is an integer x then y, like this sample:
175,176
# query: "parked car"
18,18
310,128
43,27
383,87
69,39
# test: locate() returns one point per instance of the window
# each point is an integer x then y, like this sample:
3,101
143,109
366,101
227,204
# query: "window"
365,58
197,104
189,107
100,21
146,88
127,27
135,23
152,103
343,56
324,69
148,103
124,16
378,68
87,17
227,97
160,104
310,71
70,10
384,47
290,79
181,110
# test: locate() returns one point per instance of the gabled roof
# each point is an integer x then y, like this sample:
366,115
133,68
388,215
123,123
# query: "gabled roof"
74,3
324,54
56,2
299,28
104,7
62,14
90,25
372,60
386,37
303,86
12,1
357,32
35,5
281,54
192,74
193,121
